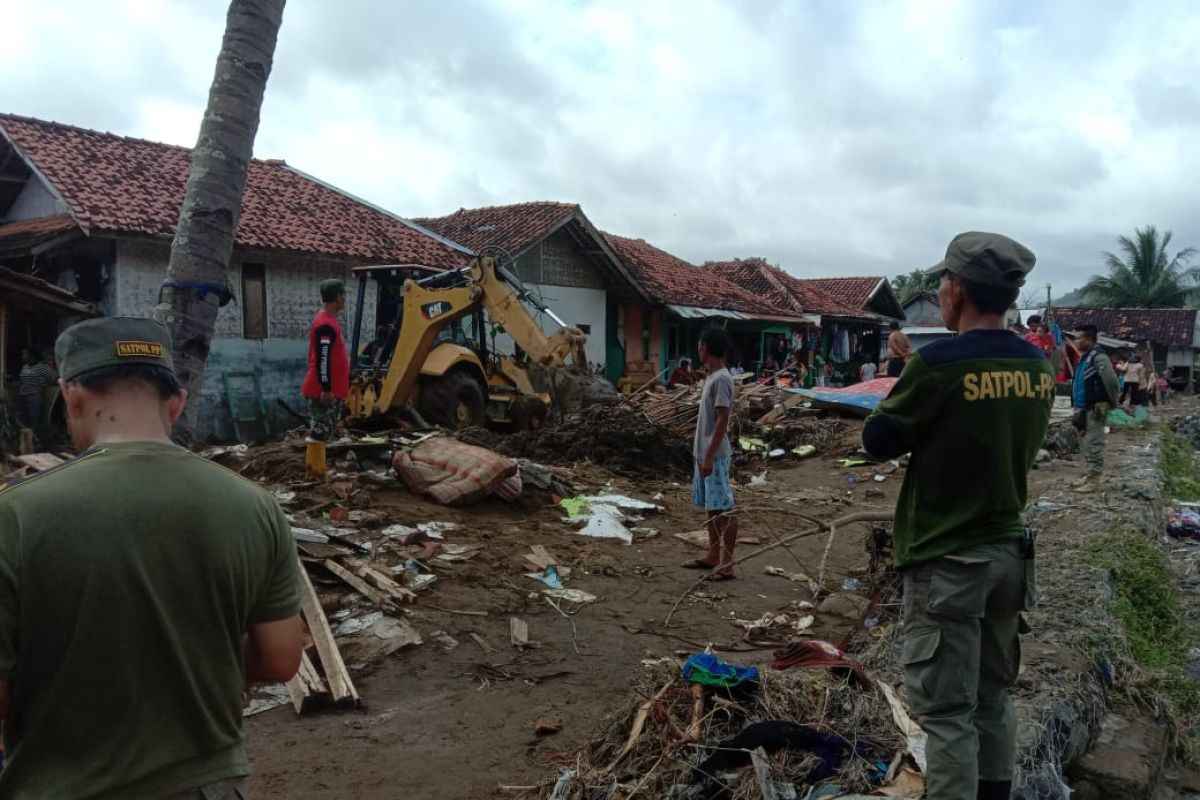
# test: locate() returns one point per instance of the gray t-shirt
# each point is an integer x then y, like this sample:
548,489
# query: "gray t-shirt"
718,393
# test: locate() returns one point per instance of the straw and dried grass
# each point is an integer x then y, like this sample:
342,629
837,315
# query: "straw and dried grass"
650,748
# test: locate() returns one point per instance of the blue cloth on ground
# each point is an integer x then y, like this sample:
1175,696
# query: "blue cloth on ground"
707,669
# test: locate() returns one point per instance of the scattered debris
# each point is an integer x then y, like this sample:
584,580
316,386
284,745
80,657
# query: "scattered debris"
540,557
548,576
604,516
577,596
546,726
444,639
518,631
615,437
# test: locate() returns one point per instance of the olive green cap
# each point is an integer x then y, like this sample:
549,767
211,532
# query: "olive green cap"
988,258
111,342
331,288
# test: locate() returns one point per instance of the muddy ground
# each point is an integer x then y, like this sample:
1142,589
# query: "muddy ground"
458,723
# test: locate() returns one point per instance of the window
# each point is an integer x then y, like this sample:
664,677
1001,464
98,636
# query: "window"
254,301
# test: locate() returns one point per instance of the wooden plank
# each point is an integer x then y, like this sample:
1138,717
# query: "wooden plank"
540,557
341,688
359,585
305,683
384,582
322,551
38,461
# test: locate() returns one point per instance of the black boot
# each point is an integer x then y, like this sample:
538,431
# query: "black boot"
995,790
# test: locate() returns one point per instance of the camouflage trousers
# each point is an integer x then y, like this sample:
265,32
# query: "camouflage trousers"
322,421
961,654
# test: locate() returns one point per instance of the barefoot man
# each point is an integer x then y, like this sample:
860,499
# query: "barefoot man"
711,489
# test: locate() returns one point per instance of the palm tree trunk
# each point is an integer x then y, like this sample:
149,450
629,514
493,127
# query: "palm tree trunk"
197,282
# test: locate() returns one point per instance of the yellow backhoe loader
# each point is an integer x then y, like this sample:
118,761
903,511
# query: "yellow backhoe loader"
430,354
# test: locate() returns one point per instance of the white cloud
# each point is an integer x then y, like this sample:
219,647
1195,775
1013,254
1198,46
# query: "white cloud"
831,137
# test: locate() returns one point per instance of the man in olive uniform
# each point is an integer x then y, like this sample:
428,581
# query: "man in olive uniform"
141,587
1093,394
973,411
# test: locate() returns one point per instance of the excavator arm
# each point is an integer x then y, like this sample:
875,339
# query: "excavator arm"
504,307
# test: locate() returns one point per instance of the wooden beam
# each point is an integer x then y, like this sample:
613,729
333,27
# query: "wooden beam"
305,683
341,688
359,585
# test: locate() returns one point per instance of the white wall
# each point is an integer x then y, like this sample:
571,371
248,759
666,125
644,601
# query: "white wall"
35,200
574,306
293,289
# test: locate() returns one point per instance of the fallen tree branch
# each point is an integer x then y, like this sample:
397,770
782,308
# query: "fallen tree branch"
861,516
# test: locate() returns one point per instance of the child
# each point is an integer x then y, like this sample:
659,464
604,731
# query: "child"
711,487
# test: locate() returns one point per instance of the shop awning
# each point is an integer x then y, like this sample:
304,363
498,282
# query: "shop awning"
696,312
693,312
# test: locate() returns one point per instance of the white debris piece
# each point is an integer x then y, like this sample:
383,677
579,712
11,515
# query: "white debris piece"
356,624
604,516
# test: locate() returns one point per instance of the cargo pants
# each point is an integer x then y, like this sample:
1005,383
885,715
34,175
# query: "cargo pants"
961,654
1093,437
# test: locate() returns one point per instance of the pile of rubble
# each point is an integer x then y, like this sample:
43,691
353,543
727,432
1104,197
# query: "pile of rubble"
614,437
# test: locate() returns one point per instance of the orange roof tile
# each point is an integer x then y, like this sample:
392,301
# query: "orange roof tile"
118,184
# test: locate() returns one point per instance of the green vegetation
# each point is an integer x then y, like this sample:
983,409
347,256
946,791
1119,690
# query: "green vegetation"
1146,277
1150,606
912,284
1147,600
1181,479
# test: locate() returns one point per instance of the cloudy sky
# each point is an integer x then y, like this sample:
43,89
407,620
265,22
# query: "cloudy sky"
831,137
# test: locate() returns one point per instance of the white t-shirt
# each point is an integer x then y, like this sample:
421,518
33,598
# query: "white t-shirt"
867,371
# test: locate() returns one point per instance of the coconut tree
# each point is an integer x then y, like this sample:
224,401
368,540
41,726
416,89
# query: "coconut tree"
1145,275
197,284
912,284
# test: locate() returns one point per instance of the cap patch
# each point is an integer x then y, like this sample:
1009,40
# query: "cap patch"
140,349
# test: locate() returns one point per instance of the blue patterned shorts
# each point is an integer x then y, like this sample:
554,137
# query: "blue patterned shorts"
713,493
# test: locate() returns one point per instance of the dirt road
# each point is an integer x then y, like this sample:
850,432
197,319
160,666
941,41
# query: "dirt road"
457,723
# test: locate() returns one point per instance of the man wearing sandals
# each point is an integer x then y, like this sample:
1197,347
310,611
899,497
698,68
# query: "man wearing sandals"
973,412
711,489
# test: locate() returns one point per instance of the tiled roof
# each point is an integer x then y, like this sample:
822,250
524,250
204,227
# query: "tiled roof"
669,279
20,236
513,227
1169,326
853,292
116,184
765,280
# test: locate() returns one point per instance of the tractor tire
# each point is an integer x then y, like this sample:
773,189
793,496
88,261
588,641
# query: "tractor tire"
454,400
527,413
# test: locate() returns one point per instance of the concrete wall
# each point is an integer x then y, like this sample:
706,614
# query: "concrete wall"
35,200
642,364
293,297
558,261
575,307
923,312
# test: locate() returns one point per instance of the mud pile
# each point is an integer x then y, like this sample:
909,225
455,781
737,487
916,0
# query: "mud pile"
614,437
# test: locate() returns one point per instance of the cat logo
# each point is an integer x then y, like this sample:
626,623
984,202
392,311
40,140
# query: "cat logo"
435,310
140,349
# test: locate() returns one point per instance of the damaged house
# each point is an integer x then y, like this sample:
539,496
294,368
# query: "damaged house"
559,255
94,213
